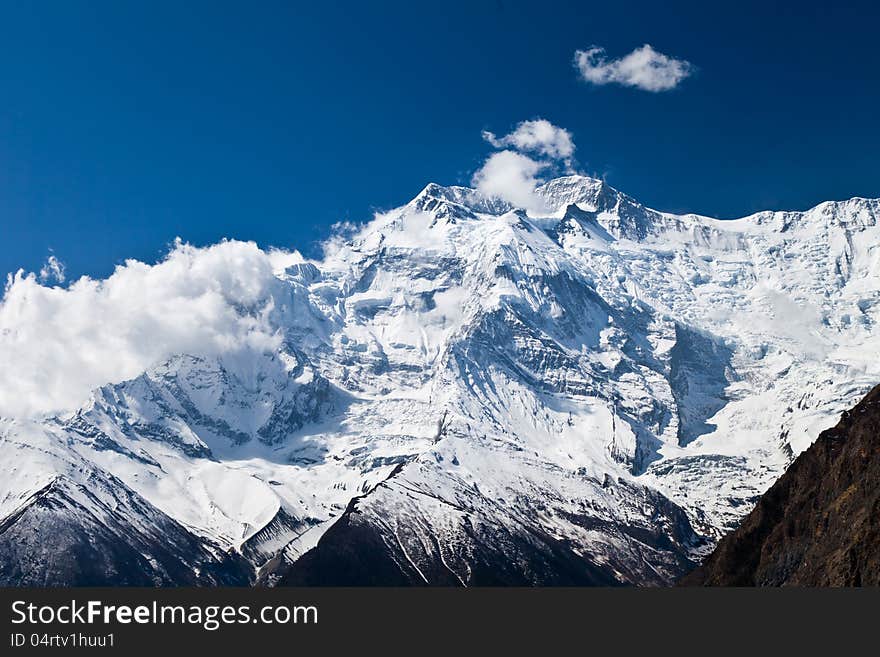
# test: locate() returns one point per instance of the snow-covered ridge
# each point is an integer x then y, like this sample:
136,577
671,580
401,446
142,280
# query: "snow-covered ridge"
597,374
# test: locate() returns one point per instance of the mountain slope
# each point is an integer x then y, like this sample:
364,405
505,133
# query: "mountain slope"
402,534
593,395
819,525
65,536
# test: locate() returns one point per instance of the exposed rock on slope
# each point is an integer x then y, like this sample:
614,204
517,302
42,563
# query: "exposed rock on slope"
819,525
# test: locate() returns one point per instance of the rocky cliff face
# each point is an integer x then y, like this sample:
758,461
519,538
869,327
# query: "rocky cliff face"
819,525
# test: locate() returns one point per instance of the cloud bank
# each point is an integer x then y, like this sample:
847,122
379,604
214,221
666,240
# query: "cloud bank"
513,174
644,68
57,344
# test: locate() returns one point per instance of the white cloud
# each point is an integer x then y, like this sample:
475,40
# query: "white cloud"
643,68
513,177
57,344
538,136
512,174
52,270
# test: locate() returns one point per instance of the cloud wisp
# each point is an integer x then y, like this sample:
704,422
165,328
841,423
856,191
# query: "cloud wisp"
52,271
644,68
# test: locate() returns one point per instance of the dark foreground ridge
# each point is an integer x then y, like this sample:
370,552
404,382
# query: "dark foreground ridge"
819,525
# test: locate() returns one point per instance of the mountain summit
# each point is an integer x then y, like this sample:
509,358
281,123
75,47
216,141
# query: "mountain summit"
463,392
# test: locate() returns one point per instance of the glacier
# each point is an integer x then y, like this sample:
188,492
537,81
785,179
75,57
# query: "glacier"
463,392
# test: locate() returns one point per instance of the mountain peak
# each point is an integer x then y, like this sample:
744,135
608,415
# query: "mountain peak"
435,196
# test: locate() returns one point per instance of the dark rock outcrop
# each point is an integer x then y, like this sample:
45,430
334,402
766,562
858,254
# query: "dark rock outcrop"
819,525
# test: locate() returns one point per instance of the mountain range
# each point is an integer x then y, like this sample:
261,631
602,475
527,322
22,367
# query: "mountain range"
466,393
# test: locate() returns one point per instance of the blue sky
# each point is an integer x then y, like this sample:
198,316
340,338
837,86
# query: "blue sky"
124,125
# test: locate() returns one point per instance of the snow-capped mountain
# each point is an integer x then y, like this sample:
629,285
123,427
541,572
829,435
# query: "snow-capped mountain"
466,394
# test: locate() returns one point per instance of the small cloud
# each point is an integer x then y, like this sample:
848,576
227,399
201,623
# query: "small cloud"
512,177
643,68
52,270
538,136
514,173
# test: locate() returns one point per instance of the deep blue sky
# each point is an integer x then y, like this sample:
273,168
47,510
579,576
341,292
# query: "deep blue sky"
125,124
